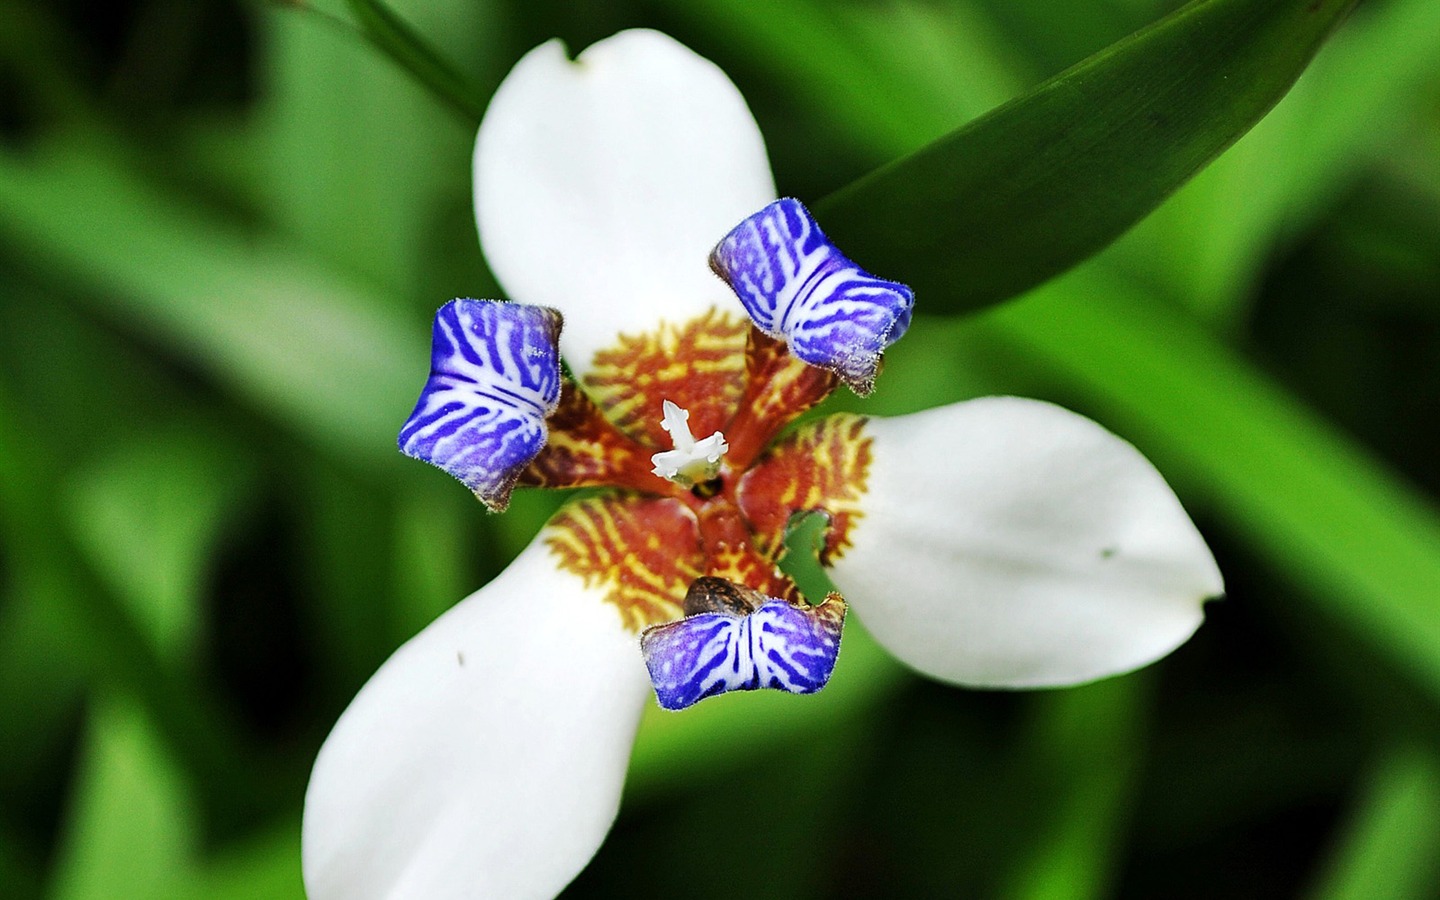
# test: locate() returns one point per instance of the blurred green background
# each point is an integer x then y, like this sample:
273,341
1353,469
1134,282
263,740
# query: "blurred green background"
224,226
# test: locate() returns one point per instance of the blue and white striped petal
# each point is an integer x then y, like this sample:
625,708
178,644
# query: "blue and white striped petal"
798,287
494,377
780,645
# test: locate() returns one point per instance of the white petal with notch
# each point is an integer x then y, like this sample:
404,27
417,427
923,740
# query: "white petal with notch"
486,757
602,184
1006,542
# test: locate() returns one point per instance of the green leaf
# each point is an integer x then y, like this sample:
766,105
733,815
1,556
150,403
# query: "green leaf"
1347,112
131,831
1084,746
364,204
1050,178
903,73
97,632
265,866
310,346
396,39
1391,846
148,514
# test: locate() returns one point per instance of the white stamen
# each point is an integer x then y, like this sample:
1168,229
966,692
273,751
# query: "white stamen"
691,461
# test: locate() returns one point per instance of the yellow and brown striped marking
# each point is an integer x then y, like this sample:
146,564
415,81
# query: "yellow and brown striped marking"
585,449
699,365
647,543
643,551
778,388
822,466
743,564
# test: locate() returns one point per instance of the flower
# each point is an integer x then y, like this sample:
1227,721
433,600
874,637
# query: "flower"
998,542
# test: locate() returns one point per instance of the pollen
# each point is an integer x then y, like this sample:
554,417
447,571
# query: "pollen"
692,461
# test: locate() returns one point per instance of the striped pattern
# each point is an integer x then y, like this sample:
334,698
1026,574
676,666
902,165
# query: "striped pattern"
494,377
699,364
780,645
822,465
797,286
641,551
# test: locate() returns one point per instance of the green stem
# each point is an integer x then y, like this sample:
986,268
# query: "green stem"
379,26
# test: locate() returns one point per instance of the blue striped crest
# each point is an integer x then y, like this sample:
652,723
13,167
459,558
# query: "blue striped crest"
798,287
494,377
779,645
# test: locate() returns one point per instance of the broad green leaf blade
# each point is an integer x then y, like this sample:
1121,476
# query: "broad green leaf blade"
1391,847
1208,243
149,514
1085,750
264,866
132,828
903,73
308,345
362,205
1043,182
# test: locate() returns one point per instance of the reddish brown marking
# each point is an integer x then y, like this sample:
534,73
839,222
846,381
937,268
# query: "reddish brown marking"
822,466
585,450
698,365
743,565
645,546
778,388
721,523
643,551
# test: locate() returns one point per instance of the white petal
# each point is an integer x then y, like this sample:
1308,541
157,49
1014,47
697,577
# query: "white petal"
1011,543
602,184
486,757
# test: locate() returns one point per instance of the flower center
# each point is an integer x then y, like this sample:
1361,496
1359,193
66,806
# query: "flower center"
692,461
705,518
713,506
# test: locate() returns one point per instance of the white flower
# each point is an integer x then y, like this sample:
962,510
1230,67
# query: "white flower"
1000,542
